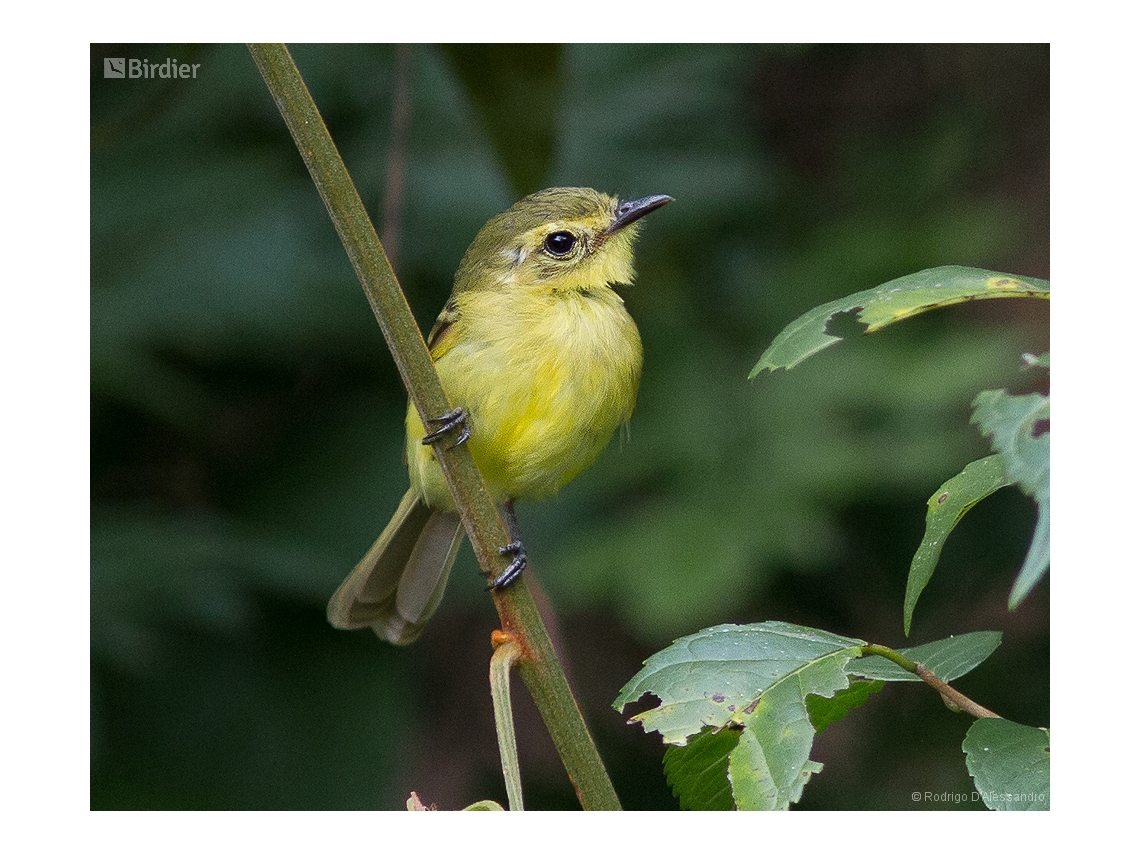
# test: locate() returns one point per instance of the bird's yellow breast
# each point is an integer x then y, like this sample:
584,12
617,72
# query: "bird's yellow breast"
546,375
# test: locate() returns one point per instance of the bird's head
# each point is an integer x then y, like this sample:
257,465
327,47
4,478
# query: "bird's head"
561,238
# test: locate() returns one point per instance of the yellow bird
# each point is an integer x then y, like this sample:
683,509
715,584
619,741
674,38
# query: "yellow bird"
536,351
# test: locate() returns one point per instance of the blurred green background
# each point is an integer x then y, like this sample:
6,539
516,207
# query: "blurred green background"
246,418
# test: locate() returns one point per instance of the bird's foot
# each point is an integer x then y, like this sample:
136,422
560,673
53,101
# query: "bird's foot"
514,569
457,418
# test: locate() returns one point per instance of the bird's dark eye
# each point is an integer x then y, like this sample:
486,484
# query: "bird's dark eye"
559,243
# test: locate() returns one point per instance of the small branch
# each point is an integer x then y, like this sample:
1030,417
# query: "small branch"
953,699
506,654
539,667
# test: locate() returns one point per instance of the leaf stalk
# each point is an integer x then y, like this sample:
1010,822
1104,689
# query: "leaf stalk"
953,699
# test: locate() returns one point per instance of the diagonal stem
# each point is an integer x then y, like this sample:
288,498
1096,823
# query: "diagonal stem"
538,666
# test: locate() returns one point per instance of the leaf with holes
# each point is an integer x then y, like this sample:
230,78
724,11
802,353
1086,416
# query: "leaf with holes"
1018,428
871,310
754,678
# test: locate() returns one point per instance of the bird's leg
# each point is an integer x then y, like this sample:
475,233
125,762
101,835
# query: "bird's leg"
457,418
515,548
448,422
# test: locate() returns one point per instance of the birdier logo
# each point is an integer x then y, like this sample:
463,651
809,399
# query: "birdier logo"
118,67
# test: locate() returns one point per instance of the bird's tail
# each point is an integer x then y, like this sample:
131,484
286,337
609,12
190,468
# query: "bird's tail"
399,583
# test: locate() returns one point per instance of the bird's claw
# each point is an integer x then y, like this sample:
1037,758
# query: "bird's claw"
514,569
448,422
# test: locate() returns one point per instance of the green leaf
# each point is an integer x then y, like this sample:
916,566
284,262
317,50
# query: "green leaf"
698,772
1036,559
1009,763
486,804
944,511
947,659
770,765
517,90
871,310
827,711
756,677
1018,427
710,677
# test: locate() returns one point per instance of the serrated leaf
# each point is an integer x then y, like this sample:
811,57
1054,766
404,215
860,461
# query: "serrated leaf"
944,511
871,310
750,776
758,677
827,711
948,659
1009,763
710,677
1018,426
770,765
698,772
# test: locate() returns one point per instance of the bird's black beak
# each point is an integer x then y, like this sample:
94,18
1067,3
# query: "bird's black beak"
635,209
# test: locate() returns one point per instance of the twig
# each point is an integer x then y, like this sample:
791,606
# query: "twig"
953,699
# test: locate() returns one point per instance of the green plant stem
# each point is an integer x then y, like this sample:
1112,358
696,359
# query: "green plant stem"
502,660
538,667
954,699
